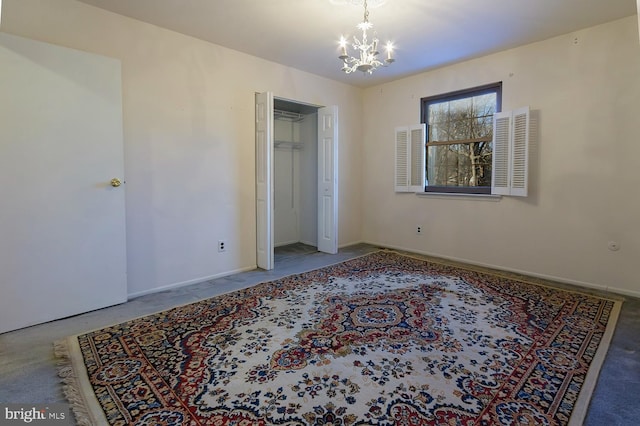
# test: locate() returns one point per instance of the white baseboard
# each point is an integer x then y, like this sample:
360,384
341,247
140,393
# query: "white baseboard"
286,243
598,287
353,243
189,282
563,280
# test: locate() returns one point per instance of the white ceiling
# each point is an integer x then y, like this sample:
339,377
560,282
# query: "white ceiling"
427,33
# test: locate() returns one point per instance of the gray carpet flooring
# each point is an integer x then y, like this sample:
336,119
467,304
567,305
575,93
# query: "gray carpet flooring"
28,366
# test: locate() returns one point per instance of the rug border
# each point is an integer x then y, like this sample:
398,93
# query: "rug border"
76,386
581,406
87,410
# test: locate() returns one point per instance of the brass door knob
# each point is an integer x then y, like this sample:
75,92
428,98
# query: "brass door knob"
115,182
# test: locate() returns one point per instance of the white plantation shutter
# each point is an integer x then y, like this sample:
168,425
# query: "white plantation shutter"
520,156
410,158
511,131
500,166
402,159
417,157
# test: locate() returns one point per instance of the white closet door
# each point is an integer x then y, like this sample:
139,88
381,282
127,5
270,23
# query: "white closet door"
328,179
62,224
264,180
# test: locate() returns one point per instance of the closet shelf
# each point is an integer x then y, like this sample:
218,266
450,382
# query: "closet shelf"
287,115
288,144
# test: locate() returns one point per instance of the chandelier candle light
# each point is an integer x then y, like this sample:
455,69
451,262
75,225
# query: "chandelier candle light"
367,61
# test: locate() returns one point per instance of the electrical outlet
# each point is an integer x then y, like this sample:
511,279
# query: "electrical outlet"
222,245
419,230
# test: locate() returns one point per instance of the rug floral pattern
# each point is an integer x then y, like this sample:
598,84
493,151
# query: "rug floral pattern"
384,339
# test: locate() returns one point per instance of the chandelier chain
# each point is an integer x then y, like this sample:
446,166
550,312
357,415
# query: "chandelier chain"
366,12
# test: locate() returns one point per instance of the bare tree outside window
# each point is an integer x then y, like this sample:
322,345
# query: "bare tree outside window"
459,139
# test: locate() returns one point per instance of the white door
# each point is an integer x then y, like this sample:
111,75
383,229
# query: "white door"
62,224
328,179
264,180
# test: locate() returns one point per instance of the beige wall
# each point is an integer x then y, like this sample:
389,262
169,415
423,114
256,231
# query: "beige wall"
189,151
189,138
585,179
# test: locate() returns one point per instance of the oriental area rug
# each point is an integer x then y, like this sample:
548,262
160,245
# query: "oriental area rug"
383,339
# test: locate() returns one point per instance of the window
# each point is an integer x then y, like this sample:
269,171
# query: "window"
459,135
465,144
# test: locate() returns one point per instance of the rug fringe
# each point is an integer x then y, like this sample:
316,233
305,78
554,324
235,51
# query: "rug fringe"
71,385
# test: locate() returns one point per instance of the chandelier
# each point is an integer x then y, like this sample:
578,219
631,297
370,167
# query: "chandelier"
366,53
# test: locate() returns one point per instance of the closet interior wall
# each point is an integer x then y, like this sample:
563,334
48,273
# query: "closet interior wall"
295,178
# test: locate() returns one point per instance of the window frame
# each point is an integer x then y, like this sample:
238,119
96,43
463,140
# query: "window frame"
425,102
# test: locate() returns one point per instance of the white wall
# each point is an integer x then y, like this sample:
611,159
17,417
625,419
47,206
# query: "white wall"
309,181
584,183
286,182
188,120
286,199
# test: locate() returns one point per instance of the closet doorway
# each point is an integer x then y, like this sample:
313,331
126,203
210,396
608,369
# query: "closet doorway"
296,178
